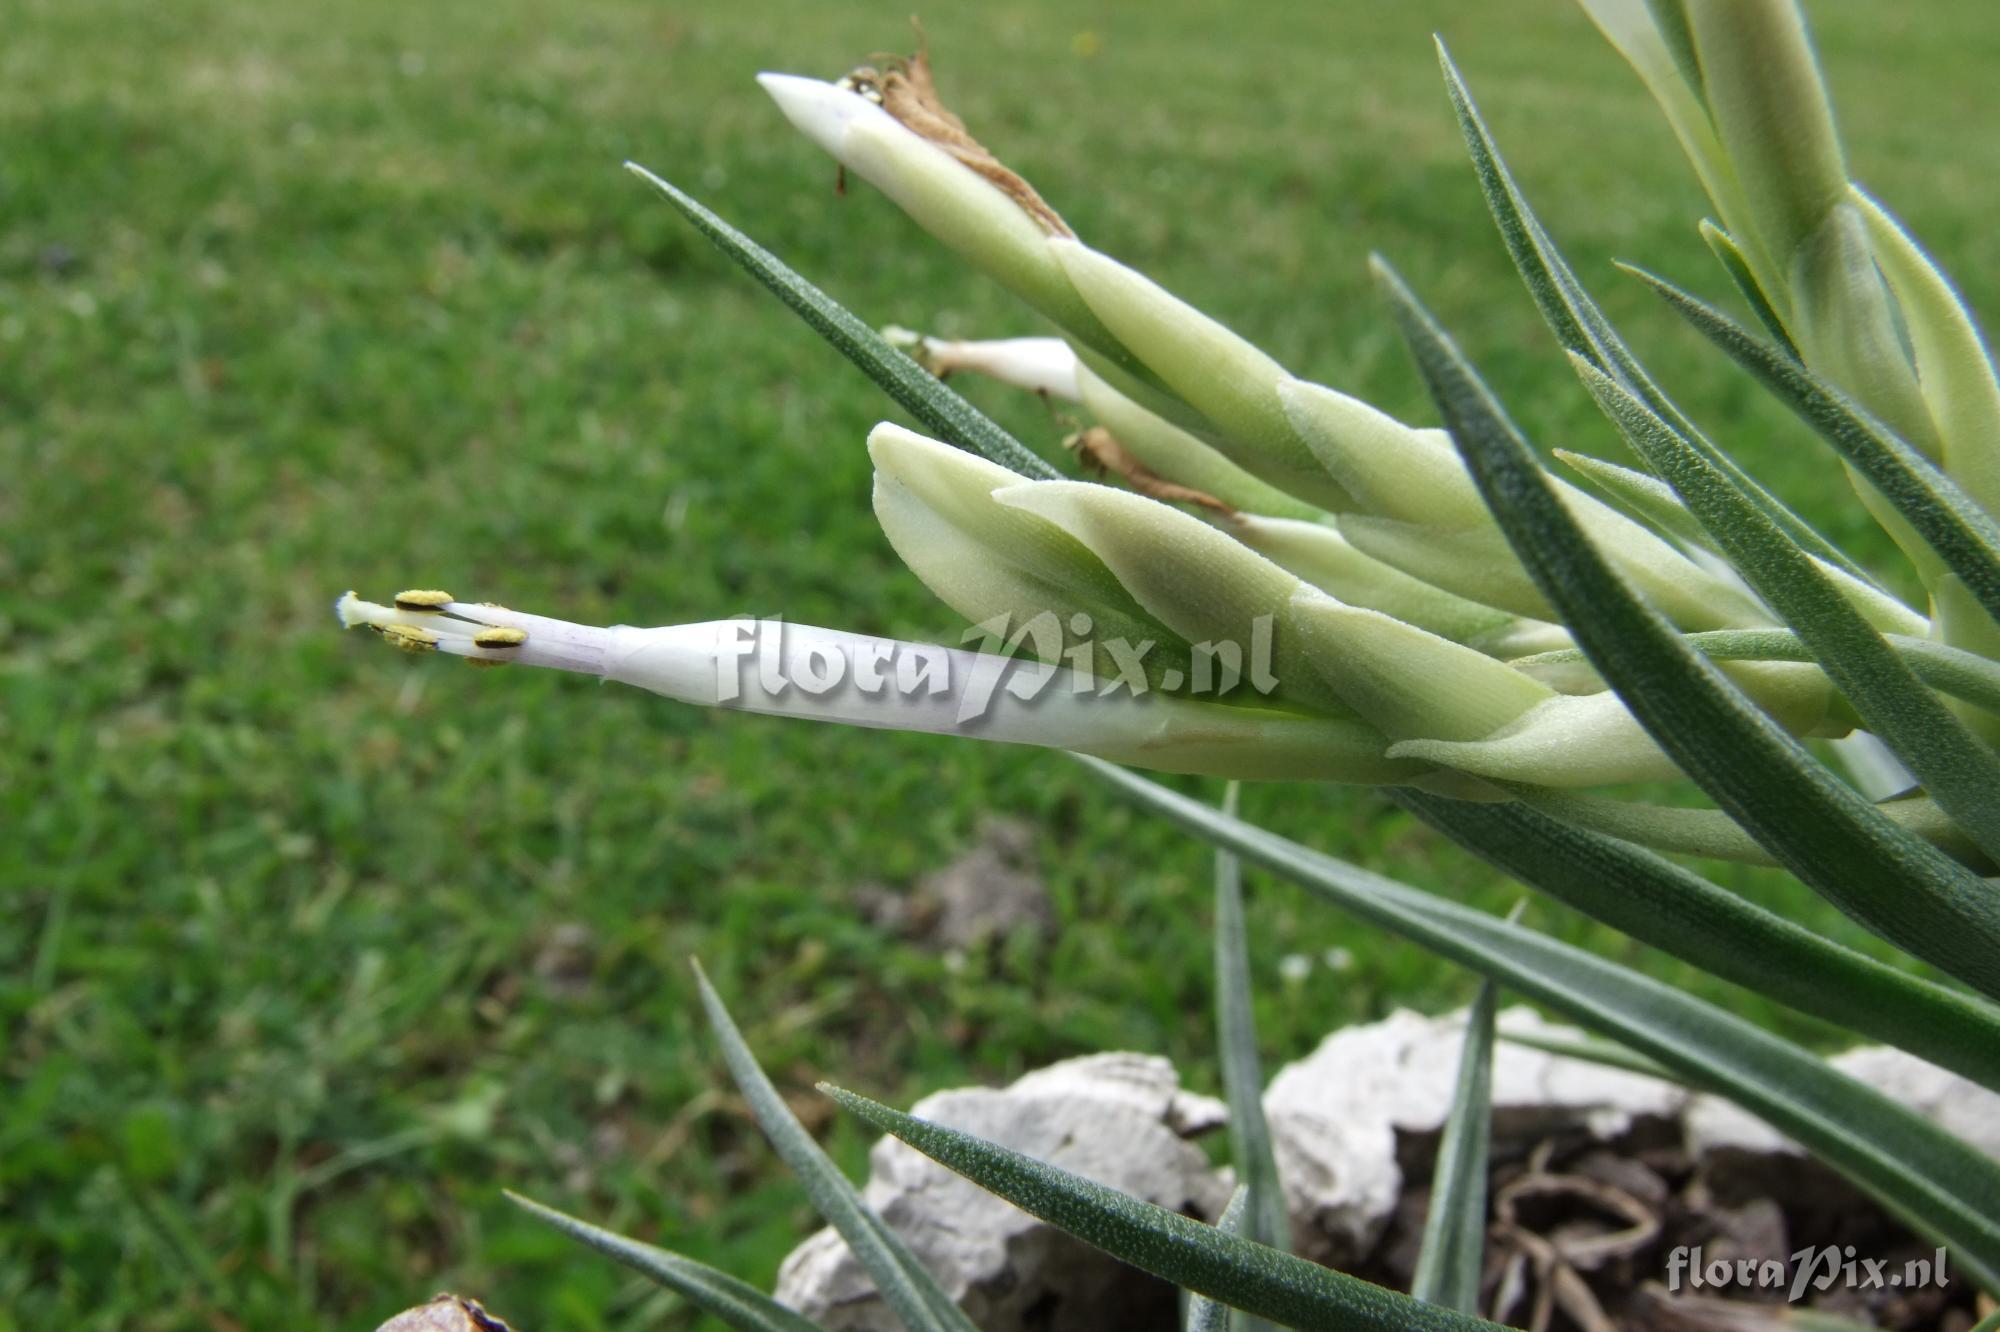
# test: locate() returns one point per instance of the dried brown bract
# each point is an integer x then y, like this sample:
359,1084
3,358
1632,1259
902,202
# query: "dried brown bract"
1100,450
904,88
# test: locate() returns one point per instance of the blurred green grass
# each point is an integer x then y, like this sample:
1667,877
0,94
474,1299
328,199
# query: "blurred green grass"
300,298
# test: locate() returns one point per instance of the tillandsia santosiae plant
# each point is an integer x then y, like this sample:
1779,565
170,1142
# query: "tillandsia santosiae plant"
1275,580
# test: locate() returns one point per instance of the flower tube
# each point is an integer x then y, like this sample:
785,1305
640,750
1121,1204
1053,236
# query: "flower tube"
793,670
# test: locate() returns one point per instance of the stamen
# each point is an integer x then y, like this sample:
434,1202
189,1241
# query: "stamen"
500,638
408,637
422,599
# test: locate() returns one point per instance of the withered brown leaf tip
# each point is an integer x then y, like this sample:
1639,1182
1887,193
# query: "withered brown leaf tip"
905,89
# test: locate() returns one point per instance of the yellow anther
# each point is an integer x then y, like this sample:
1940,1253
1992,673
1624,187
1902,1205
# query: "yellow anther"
407,637
421,599
500,638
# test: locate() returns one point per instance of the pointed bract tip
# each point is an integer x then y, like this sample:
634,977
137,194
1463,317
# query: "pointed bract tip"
820,110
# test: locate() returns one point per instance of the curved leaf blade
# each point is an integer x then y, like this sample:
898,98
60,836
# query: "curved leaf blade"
1679,912
1235,1271
1575,318
906,1286
1937,1184
1204,1314
1960,771
737,1303
1822,830
1723,246
950,417
1453,1256
1950,521
1242,1076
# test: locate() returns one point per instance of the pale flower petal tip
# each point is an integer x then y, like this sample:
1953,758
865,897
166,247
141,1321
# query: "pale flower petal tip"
819,110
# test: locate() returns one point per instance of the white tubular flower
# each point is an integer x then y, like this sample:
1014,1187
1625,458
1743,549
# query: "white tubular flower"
792,670
1039,365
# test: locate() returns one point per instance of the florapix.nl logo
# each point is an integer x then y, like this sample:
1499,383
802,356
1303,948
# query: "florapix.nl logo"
1027,659
1807,1271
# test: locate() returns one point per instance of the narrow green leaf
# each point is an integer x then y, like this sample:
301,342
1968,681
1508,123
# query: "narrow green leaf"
1242,1076
1962,533
1990,1323
1574,317
1954,671
1647,498
1723,246
1684,915
950,417
1235,1271
1453,1256
737,1303
1604,1053
906,1286
1960,771
1818,827
1204,1314
1937,1184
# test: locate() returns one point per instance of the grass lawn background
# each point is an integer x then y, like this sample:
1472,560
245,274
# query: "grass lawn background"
297,298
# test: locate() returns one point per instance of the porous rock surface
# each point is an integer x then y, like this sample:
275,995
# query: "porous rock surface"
1336,1115
1119,1119
1350,1124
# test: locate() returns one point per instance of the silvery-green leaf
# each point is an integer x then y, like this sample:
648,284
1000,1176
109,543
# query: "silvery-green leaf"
1818,827
1574,317
1242,1074
1961,533
1723,246
1451,1259
1645,497
1204,1314
1961,772
1933,1181
954,419
735,1302
905,1285
1542,842
1205,1259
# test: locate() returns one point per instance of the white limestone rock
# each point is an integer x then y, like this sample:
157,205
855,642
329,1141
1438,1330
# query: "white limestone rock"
1959,1106
1335,1114
1120,1119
